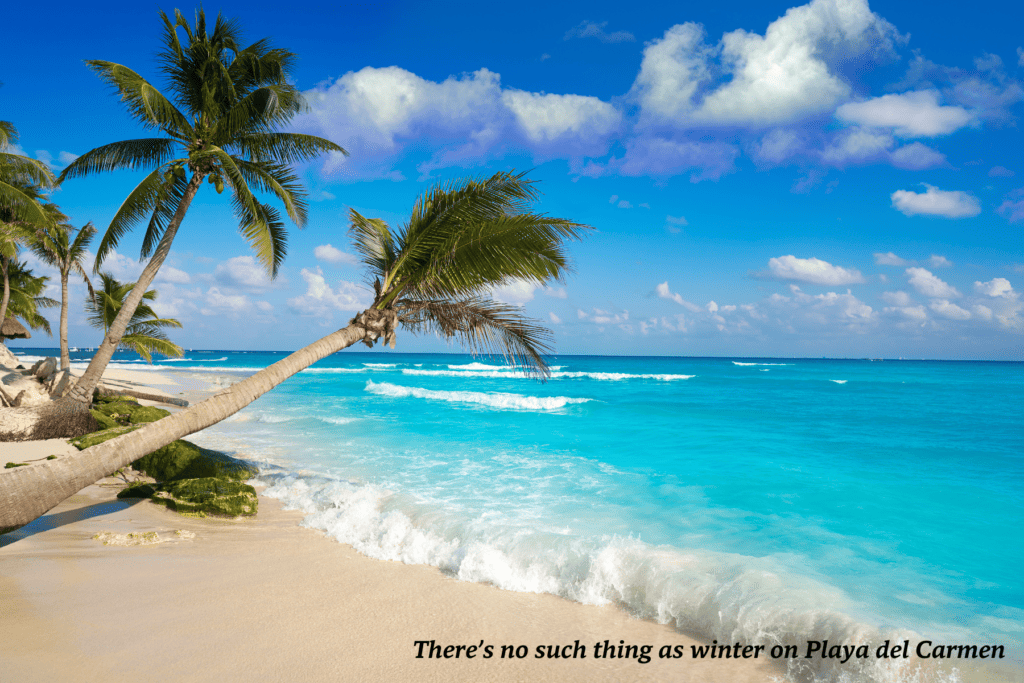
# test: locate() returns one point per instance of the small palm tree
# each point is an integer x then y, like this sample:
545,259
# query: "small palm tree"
223,126
17,172
434,274
26,297
145,332
55,246
16,232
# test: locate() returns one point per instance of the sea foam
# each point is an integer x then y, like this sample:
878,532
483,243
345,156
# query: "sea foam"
607,376
491,400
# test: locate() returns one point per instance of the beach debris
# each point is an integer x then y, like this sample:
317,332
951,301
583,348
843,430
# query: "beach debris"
105,391
185,534
142,538
43,369
11,465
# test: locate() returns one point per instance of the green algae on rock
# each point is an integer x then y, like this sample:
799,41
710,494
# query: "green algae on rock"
204,496
184,460
83,442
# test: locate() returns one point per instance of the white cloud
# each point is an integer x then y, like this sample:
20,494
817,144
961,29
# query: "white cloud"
554,318
937,261
515,292
325,252
590,29
889,259
218,303
242,271
320,299
983,312
264,306
917,157
812,270
936,202
559,293
786,74
912,313
1000,172
376,112
929,285
664,292
996,287
1013,208
910,115
949,310
623,204
897,298
857,145
674,224
173,275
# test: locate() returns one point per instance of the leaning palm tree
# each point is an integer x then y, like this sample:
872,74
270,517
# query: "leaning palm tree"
434,274
221,124
145,331
55,246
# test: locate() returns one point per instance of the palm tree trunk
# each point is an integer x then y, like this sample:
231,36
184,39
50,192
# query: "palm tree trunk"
7,290
28,492
82,391
65,357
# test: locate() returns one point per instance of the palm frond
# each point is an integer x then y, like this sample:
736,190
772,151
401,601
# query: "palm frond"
288,148
281,181
147,104
127,154
372,238
481,325
165,205
33,171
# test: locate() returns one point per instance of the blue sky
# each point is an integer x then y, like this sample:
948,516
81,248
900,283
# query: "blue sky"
765,178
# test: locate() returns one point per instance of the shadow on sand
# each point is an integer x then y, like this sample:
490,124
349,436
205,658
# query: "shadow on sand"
59,519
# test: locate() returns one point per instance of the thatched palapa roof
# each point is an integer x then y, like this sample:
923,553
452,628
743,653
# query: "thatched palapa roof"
12,329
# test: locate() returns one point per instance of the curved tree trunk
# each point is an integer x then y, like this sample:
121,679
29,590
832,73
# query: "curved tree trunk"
82,391
65,357
28,492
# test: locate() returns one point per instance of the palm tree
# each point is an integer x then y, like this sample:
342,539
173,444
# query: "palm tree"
21,182
145,331
434,274
17,171
26,297
222,127
56,247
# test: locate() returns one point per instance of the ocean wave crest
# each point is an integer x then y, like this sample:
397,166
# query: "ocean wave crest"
736,362
607,376
492,400
715,595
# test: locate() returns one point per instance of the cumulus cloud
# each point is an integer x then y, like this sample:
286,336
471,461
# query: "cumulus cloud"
242,271
926,283
811,270
325,252
910,115
788,73
590,29
321,300
218,303
664,292
889,259
173,275
949,310
936,202
899,298
996,287
554,318
516,292
378,111
1013,207
917,157
937,261
1000,172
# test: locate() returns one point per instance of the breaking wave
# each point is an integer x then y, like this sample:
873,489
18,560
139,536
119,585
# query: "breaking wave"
491,400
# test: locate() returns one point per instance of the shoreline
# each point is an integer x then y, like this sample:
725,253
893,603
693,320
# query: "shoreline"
292,599
265,596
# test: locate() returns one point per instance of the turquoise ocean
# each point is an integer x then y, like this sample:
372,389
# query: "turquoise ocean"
737,499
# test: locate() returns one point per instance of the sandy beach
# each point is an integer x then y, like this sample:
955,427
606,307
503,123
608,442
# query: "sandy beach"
264,599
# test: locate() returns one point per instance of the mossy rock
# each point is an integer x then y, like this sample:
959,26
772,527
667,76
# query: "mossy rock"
103,420
124,411
138,489
205,496
83,442
185,460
